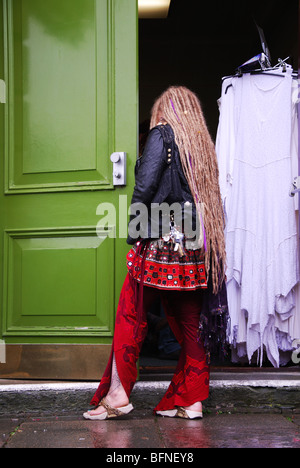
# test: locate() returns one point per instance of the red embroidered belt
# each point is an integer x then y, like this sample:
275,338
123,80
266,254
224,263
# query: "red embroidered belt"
156,264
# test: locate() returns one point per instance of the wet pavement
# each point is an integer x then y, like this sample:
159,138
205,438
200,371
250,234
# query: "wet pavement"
144,431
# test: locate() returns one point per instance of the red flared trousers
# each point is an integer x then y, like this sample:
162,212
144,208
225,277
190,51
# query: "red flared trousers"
190,382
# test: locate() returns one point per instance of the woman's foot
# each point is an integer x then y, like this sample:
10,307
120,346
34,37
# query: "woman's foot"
116,396
110,412
116,399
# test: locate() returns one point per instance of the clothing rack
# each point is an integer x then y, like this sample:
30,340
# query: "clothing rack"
239,113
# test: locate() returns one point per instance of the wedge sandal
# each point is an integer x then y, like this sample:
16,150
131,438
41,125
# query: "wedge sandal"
110,412
181,412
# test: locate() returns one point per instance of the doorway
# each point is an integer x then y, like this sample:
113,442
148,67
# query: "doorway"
195,46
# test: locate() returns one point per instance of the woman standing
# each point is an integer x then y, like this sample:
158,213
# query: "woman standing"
178,256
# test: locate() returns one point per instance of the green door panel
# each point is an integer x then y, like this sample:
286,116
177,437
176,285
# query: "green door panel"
70,71
57,283
58,75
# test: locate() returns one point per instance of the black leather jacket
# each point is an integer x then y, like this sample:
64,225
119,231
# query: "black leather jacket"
159,178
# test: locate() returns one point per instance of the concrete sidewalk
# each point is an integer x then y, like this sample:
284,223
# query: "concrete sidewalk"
250,410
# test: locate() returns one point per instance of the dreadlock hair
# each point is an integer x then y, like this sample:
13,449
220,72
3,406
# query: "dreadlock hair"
181,109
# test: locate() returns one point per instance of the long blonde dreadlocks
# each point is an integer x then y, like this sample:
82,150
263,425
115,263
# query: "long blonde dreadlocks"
181,108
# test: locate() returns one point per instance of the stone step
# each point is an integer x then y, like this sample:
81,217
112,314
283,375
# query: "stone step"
229,392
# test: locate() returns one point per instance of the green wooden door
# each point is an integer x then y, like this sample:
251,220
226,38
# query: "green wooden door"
68,100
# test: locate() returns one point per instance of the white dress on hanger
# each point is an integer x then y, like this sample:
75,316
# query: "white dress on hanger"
255,163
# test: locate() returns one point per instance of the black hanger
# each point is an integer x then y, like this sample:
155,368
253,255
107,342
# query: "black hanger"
262,71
